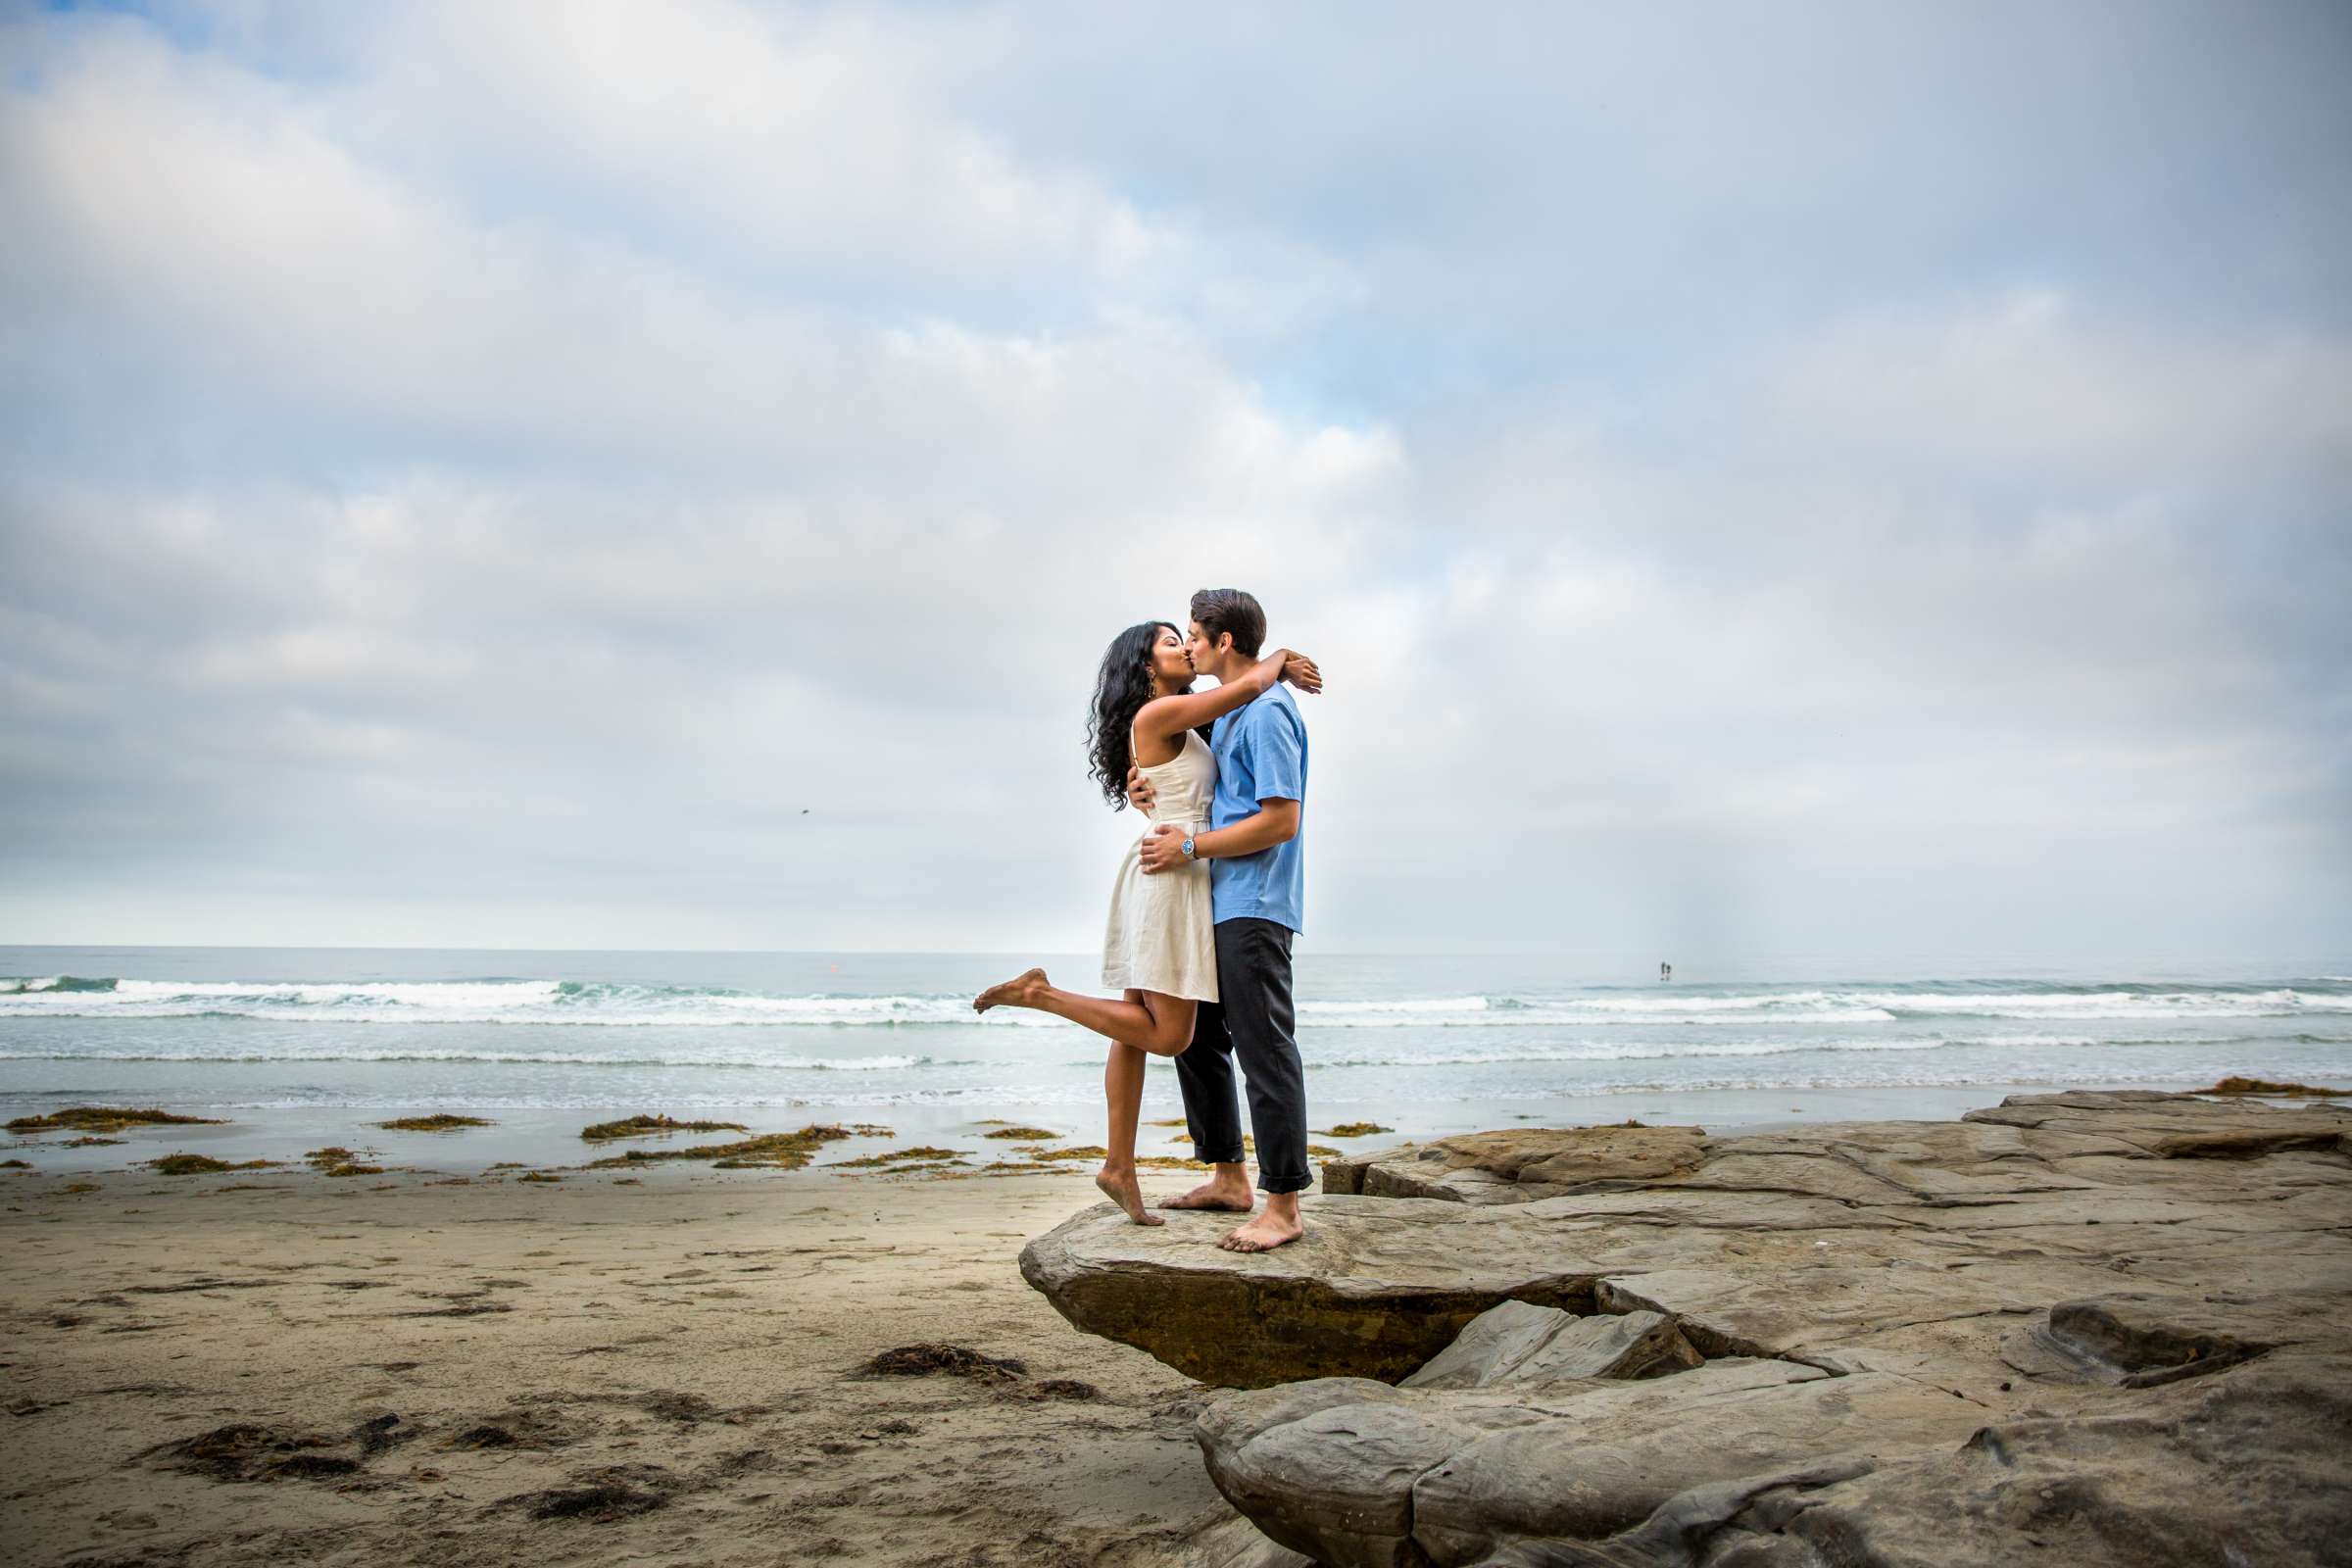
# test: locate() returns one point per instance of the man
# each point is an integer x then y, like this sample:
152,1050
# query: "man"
1257,878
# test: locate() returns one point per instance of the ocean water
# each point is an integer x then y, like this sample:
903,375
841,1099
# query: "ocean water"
1422,1043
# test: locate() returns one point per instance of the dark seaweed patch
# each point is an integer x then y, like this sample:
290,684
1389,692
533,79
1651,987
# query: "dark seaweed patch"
652,1126
203,1164
105,1119
249,1451
962,1360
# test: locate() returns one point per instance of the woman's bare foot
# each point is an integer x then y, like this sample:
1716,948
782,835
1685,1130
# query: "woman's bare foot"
1120,1188
1231,1194
1263,1234
1014,993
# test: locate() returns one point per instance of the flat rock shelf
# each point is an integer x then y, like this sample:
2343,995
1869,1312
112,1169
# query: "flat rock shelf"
2088,1328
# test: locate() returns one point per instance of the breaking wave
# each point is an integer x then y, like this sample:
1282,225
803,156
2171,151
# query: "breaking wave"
615,1004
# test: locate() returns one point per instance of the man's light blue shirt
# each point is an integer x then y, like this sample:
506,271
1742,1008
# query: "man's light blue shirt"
1261,756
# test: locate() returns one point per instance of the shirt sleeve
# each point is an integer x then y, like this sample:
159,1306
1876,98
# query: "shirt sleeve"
1276,743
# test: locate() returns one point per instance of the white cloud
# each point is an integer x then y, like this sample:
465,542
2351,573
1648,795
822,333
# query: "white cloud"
476,477
2030,382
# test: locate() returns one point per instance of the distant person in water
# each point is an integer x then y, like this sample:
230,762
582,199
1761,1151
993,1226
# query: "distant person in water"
1257,882
1665,971
1159,948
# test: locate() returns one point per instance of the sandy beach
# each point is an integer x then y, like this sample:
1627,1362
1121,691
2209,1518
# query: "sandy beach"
584,1370
666,1360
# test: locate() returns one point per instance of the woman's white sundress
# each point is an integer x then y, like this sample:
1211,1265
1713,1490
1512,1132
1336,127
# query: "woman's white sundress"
1162,931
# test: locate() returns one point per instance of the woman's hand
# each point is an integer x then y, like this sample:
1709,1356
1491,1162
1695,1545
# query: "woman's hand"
1301,671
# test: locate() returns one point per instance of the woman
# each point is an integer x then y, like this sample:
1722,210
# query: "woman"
1159,950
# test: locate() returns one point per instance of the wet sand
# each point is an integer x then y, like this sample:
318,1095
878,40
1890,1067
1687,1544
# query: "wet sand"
269,1366
551,1137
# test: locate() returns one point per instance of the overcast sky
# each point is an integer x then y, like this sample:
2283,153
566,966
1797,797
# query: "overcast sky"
1866,482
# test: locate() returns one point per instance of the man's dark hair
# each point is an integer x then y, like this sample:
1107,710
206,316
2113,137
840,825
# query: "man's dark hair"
1229,610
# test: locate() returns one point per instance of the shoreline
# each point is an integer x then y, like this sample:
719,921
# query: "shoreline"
541,1137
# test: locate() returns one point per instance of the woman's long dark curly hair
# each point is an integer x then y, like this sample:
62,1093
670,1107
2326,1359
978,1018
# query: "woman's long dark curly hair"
1122,686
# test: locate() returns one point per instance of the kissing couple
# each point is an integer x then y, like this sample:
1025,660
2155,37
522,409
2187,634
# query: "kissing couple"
1205,906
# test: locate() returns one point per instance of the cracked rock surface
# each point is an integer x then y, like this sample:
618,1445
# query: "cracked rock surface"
1518,1164
2094,1328
1519,1341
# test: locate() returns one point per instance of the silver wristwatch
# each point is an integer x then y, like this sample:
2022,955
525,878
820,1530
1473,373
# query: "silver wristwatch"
1188,851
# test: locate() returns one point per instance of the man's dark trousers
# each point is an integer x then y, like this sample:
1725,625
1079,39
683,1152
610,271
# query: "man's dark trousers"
1254,1021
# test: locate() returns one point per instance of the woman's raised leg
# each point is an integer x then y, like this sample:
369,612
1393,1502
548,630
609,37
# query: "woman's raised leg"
1146,1020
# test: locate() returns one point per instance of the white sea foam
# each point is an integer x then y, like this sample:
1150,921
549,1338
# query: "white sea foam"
1411,1007
534,1001
1085,1098
765,1051
749,1061
1395,1040
1634,1052
499,1001
2107,1004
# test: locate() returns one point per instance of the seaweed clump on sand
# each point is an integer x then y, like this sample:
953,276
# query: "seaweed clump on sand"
105,1119
1028,1159
203,1164
336,1161
538,1176
901,1158
1007,1375
248,1452
438,1122
605,1495
962,1360
654,1126
768,1151
1082,1151
1033,1158
2263,1086
1026,1135
1355,1129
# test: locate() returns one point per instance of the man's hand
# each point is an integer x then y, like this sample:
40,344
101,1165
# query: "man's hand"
1163,849
1140,793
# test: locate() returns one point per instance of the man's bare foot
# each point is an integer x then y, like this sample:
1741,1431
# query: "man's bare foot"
1120,1188
1014,993
1263,1234
1225,1195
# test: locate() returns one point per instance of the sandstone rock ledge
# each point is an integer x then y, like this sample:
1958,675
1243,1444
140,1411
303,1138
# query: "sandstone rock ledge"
2087,1329
1747,1463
